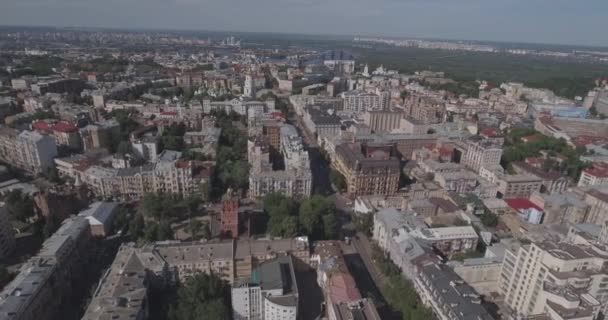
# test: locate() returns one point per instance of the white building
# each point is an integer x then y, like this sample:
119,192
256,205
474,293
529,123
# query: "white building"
270,294
28,150
556,279
360,101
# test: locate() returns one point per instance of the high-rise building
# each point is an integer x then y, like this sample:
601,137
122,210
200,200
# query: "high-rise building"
558,280
28,150
46,282
249,88
230,215
368,169
480,154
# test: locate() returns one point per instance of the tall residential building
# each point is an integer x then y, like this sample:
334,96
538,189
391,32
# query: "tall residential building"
368,169
480,154
360,101
559,280
7,235
249,88
383,121
46,282
270,294
230,215
294,180
28,150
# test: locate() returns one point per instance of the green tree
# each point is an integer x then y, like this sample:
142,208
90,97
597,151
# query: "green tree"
337,179
330,226
489,219
201,297
19,205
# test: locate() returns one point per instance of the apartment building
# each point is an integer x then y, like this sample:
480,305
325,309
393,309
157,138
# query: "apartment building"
27,150
480,154
383,121
361,101
558,280
368,169
136,268
425,109
270,294
519,186
598,202
47,280
597,175
447,294
295,180
239,106
175,176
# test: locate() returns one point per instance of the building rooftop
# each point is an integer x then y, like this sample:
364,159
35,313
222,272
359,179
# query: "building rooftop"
454,293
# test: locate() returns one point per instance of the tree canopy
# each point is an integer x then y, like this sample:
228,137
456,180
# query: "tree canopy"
202,296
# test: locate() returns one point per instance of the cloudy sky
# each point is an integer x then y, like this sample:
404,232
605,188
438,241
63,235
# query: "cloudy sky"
546,21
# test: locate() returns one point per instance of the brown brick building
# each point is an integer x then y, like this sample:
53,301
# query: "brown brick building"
368,169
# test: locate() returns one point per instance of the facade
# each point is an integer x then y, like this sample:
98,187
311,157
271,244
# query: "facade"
230,215
425,109
239,106
295,180
368,169
481,154
270,294
360,101
449,240
45,282
383,121
598,211
28,150
519,186
100,216
7,235
146,148
323,124
559,280
597,175
178,176
447,294
135,269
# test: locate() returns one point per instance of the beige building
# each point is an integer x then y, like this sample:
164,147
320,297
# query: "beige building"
480,154
518,186
383,121
27,150
368,169
134,269
557,280
598,212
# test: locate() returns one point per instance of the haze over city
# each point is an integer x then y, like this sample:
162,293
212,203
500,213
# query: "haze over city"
538,21
303,160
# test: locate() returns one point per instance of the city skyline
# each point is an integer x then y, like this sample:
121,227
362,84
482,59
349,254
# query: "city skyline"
542,22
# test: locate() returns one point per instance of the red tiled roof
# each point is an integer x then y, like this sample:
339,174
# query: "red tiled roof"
489,132
530,138
586,140
63,126
599,170
41,125
342,288
522,204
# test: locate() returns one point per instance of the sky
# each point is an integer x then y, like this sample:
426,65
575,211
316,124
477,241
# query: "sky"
581,22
